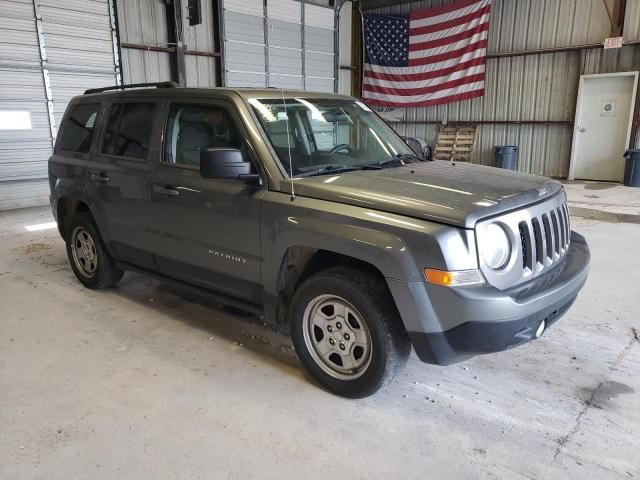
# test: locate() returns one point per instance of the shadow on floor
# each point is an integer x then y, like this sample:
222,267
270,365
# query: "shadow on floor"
180,303
231,324
593,185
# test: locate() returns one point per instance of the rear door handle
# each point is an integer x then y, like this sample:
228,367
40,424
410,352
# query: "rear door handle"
99,177
170,192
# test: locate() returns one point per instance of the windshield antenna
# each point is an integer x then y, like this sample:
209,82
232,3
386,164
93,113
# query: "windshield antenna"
286,116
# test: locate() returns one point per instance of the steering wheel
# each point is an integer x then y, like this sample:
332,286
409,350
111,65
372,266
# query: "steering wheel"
341,146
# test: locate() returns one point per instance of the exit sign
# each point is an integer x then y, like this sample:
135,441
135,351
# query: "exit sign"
613,42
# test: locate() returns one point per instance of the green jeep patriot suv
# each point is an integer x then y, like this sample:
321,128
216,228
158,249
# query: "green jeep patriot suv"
308,209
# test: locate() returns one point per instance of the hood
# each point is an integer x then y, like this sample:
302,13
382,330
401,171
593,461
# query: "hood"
458,194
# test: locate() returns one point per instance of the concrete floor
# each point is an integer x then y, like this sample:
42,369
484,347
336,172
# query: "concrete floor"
144,381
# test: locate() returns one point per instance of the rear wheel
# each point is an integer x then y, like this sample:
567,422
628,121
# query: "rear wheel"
347,331
88,257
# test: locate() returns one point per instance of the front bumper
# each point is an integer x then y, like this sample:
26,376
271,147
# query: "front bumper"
448,325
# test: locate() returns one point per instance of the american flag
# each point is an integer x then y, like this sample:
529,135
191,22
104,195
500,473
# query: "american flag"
428,57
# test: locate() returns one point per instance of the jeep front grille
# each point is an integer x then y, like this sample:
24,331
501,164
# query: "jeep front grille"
540,238
545,238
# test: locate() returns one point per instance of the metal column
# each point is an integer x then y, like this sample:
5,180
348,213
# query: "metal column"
45,73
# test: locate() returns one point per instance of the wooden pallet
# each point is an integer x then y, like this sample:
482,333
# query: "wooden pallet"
455,143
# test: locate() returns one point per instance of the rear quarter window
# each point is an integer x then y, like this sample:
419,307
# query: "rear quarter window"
77,131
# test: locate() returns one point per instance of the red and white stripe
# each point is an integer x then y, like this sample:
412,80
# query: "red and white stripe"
447,56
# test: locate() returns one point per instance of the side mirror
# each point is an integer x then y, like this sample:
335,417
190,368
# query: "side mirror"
419,147
426,153
229,163
415,145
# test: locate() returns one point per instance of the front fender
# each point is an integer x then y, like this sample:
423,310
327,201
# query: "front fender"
399,247
384,251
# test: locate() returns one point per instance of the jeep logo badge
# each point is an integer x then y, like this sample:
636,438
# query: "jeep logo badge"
541,191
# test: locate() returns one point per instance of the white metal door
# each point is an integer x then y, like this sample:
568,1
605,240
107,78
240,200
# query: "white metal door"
244,43
50,51
24,149
319,38
602,126
296,52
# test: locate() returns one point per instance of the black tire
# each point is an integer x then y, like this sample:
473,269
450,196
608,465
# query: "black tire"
389,347
93,266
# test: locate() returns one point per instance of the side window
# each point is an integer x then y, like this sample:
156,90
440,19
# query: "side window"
191,128
129,130
77,131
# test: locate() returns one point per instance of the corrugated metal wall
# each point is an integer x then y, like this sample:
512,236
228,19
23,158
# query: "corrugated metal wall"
533,88
144,22
632,20
50,50
200,69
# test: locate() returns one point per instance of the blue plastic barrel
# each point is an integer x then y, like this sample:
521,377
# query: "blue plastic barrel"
506,156
632,168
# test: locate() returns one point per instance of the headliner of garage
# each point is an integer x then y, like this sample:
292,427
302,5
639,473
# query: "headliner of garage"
143,382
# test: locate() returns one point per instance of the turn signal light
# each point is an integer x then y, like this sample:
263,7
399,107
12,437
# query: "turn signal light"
438,276
453,279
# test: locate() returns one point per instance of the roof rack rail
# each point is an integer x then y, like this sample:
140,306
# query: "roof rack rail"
133,85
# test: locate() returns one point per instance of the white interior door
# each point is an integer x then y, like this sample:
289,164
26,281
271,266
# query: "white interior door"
602,126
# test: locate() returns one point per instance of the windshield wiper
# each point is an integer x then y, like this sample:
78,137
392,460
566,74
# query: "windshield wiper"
330,169
400,158
408,156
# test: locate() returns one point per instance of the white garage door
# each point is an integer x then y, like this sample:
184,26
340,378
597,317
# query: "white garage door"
50,51
319,48
244,43
297,51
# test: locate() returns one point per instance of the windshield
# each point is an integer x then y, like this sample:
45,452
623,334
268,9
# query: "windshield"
328,135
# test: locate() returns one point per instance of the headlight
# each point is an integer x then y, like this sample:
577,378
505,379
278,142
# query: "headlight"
495,248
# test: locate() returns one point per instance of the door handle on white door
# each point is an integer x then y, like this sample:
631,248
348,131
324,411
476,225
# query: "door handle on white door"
581,130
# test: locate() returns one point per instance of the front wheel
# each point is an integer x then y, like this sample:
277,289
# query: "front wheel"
347,332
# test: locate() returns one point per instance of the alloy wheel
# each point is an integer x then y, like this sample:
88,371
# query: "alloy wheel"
337,337
84,252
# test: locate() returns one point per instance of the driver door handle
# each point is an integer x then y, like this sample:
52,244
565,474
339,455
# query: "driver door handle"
170,192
